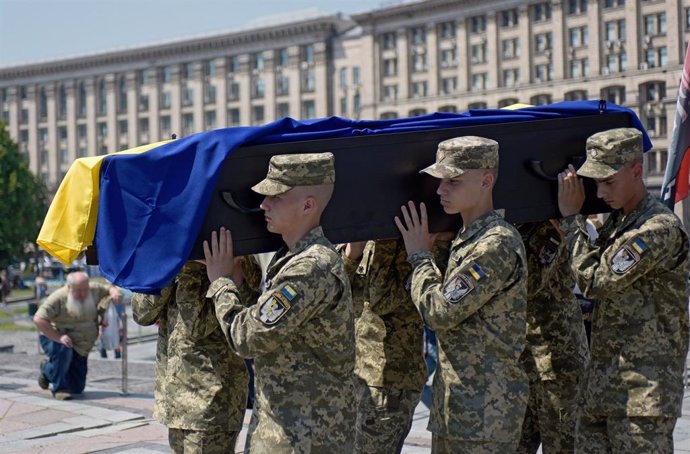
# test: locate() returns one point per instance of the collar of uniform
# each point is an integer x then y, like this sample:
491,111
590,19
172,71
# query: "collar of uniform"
307,240
478,225
642,207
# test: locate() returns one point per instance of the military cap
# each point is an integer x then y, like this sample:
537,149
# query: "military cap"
289,170
454,156
608,151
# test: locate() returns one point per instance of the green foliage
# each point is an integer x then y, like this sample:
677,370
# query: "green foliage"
23,203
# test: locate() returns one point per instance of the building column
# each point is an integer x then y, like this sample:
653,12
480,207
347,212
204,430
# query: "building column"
371,77
198,86
596,45
72,145
175,102
558,46
675,32
434,68
403,63
154,93
293,72
54,158
244,80
220,82
462,39
14,110
526,67
634,36
492,42
132,109
33,129
112,140
92,144
269,77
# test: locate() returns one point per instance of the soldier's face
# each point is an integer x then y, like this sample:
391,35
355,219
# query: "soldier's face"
460,192
282,212
617,191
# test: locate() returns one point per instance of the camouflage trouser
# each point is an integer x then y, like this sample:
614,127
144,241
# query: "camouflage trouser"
384,418
550,417
184,441
601,434
443,445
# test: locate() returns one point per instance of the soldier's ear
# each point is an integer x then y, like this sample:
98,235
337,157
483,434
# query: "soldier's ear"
309,203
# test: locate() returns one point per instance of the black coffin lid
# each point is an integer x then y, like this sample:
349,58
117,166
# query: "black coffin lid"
376,174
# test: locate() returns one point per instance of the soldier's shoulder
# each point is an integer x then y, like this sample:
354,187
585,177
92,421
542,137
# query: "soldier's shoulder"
502,233
659,217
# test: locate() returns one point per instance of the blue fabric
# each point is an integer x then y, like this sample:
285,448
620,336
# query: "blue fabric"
152,205
65,369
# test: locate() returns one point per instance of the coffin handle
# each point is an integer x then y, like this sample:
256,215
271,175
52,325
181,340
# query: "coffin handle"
538,167
229,198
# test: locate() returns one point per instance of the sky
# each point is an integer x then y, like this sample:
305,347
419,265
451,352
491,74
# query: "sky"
38,30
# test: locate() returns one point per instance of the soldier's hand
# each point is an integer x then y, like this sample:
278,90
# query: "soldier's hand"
218,255
66,341
354,250
415,232
571,192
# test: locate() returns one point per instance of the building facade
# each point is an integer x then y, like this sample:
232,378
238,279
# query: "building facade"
407,59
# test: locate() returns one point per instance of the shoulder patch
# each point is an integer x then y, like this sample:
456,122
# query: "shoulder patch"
548,250
457,288
274,308
627,256
476,272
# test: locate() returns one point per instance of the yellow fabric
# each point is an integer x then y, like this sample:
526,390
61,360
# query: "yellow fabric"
516,106
70,224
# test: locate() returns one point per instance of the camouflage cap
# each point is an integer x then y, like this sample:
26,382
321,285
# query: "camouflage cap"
608,151
289,170
454,156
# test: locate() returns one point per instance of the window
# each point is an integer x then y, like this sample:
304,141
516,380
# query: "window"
390,92
477,105
447,30
417,112
614,94
122,95
166,99
655,24
144,128
234,64
616,62
282,85
102,129
187,124
418,35
342,78
388,41
123,129
308,110
540,100
579,67
388,115
166,74
187,96
656,57
62,102
510,48
448,58
165,127
282,110
687,19
42,104
449,109
542,42
578,37
357,104
507,102
44,158
81,99
541,12
210,120
355,76
102,97
478,53
543,73
257,115
480,81
613,3
233,117
64,156
308,80
419,89
42,136
655,91
187,71
419,62
283,58
576,95
390,66
449,85
233,91
81,132
210,68
210,94
143,103
615,30
509,18
657,124
662,56
308,54
577,6
62,133
343,106
258,88
511,77
24,115
478,24
143,77
258,61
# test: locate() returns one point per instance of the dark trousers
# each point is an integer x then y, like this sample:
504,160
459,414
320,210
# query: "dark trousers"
65,369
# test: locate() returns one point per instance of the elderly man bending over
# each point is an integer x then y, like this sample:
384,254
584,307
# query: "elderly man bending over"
68,321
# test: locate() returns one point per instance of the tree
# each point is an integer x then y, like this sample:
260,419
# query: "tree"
23,199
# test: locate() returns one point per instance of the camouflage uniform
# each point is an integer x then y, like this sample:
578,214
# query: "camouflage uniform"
638,272
201,385
477,309
557,351
300,333
389,358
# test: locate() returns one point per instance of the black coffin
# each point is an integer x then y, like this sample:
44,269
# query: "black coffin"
376,174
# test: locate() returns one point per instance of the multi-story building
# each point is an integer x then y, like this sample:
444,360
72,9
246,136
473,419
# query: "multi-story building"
407,59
